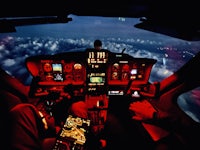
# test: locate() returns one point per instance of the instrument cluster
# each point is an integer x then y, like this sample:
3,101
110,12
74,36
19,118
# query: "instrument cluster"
89,72
62,71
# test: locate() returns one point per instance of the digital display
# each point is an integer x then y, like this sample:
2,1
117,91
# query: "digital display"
97,57
58,77
117,92
134,71
57,67
96,79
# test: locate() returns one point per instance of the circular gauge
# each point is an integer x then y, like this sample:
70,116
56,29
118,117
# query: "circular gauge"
125,68
68,77
77,77
68,68
47,67
115,76
125,76
115,67
49,77
77,66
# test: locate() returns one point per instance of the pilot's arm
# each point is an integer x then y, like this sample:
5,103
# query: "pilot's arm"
145,111
163,112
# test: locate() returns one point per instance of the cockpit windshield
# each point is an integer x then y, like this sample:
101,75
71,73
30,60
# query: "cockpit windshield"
117,34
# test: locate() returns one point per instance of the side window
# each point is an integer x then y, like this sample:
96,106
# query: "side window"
189,102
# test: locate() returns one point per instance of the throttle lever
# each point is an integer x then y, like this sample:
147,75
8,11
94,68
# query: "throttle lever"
128,87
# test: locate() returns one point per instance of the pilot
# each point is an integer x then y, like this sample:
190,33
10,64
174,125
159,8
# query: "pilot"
97,44
25,127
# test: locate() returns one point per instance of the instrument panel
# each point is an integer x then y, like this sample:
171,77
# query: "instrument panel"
95,77
90,72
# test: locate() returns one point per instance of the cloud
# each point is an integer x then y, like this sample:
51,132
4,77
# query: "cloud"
9,62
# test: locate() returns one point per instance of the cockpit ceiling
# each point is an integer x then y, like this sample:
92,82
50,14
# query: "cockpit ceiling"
125,8
77,7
